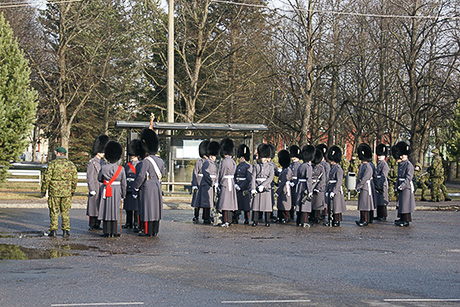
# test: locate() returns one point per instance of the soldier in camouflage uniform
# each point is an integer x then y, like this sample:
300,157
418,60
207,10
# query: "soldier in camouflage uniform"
60,180
445,165
421,180
392,176
344,164
436,172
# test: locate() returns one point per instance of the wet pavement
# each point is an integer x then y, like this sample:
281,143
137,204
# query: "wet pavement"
200,265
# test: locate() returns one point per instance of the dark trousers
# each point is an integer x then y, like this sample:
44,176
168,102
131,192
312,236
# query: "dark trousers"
151,227
302,218
283,215
131,218
364,216
256,216
226,216
110,227
316,215
382,212
94,222
406,217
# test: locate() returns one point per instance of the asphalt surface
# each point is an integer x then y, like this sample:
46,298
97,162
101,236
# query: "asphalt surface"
199,265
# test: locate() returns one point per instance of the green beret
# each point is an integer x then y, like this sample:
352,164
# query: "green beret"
61,150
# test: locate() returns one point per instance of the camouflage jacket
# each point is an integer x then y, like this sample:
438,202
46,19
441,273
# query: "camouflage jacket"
436,170
60,178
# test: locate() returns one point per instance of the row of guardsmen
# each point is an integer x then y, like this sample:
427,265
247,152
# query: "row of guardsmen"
138,185
312,188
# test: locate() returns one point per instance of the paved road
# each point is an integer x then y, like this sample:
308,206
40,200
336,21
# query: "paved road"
198,265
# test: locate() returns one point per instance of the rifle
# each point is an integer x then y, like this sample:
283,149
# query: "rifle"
306,196
331,212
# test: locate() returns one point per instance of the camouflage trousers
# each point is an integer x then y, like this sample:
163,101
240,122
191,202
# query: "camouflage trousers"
424,188
436,192
62,204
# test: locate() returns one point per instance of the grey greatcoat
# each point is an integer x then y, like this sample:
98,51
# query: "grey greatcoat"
197,175
109,209
284,201
294,166
227,198
405,186
365,186
318,201
243,178
304,183
205,195
130,203
381,183
327,170
335,185
262,175
92,171
149,186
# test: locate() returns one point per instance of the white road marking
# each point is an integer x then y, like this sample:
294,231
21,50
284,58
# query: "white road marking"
266,302
98,304
422,300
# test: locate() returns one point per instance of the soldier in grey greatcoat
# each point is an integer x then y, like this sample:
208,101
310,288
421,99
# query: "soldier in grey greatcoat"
283,193
365,185
243,179
228,203
404,185
208,185
131,204
381,182
148,185
262,177
327,168
197,175
94,186
319,180
295,154
334,194
113,190
304,186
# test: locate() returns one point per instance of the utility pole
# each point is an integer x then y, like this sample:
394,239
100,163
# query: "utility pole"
171,62
170,106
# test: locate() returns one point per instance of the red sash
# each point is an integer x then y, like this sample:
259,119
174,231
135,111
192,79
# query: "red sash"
108,189
133,169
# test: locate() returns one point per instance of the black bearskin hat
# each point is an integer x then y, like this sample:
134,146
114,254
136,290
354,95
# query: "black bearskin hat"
318,157
334,154
99,144
243,151
400,149
150,141
203,147
135,148
323,148
272,150
227,147
308,152
381,150
213,149
295,151
284,158
113,151
364,152
264,151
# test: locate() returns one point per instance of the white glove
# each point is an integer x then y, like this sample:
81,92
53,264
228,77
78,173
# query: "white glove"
135,196
315,190
194,188
253,192
292,184
280,170
237,187
400,188
92,193
332,195
216,185
276,195
327,194
310,194
260,188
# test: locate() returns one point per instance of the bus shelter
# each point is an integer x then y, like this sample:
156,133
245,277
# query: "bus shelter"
179,144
